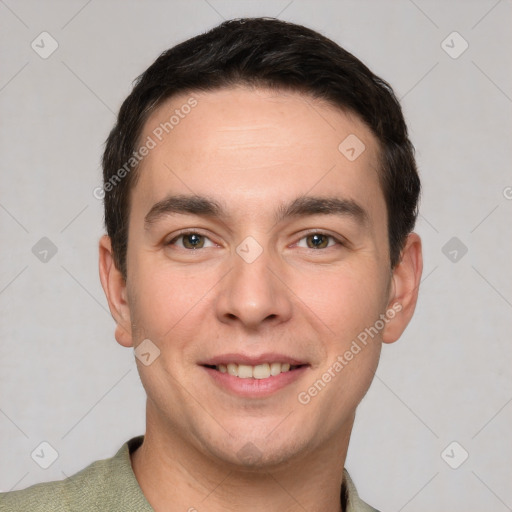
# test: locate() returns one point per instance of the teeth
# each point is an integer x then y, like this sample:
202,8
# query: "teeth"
244,371
260,371
275,369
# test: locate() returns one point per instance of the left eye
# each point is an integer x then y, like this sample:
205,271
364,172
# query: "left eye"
317,241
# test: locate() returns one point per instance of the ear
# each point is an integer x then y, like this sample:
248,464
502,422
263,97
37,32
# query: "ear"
404,289
114,287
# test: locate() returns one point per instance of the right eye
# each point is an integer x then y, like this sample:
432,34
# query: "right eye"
191,240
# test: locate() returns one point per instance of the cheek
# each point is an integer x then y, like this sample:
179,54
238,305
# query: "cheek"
345,300
166,301
350,302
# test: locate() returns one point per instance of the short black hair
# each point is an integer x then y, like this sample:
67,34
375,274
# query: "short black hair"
269,53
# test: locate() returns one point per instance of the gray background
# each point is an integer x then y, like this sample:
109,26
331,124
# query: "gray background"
64,379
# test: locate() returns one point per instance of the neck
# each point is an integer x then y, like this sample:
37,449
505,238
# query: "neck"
170,470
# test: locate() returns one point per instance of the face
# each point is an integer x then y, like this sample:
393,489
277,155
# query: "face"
255,293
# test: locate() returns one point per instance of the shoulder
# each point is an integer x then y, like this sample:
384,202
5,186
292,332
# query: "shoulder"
107,484
78,491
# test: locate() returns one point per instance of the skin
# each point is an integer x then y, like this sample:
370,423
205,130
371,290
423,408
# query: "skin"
252,150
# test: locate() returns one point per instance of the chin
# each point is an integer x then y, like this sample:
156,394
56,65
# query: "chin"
254,448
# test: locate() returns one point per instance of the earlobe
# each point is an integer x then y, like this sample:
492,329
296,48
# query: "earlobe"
404,289
114,287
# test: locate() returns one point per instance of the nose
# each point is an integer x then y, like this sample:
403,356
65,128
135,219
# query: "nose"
253,295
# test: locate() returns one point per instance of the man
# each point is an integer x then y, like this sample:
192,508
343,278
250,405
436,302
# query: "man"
260,194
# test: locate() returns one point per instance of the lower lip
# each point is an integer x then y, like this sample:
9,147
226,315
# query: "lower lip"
255,388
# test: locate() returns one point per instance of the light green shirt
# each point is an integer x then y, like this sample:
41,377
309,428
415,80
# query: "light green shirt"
110,485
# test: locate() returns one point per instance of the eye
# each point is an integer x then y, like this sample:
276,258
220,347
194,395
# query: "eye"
318,240
191,240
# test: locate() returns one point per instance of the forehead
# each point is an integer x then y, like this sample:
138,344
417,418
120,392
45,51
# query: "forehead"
252,146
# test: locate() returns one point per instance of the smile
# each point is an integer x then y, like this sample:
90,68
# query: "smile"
260,371
254,376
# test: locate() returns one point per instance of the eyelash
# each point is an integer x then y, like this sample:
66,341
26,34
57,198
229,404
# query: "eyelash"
309,233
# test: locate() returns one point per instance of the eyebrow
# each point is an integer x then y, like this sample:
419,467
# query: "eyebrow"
301,206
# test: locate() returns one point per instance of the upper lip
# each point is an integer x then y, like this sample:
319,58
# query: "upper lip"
252,360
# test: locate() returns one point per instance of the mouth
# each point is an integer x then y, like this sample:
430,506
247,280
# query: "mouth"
259,371
254,377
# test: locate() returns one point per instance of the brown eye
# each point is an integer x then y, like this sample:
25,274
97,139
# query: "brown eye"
317,241
191,241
